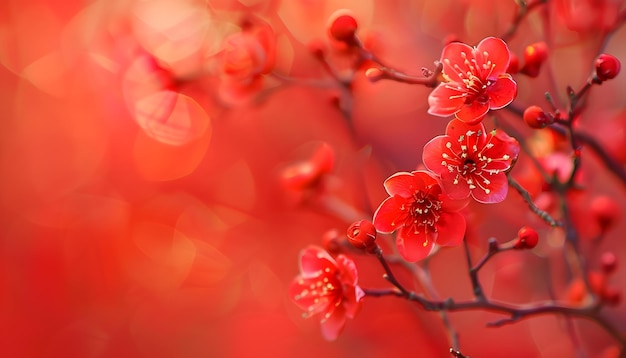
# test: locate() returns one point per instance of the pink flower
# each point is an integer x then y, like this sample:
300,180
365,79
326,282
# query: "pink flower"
423,216
328,288
476,81
471,161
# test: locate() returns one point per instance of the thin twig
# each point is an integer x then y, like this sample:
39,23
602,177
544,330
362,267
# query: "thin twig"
526,196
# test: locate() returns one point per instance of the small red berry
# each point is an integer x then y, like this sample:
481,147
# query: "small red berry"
608,262
536,118
534,56
362,235
605,211
607,67
343,26
527,238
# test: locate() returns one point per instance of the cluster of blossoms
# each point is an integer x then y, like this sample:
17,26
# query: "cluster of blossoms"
467,162
424,206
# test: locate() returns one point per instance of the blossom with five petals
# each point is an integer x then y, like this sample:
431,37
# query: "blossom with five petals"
471,161
421,213
327,287
475,81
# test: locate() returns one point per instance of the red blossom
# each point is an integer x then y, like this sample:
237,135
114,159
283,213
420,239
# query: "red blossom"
422,214
472,161
246,57
327,287
475,80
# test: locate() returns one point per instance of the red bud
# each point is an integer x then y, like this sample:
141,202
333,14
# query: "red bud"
607,67
362,235
527,238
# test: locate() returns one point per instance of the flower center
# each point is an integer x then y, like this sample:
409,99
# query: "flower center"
475,77
424,212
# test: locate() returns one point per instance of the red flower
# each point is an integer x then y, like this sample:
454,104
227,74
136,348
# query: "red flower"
476,80
471,161
421,213
246,57
328,288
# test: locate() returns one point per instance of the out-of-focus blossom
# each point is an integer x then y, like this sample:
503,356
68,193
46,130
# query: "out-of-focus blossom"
589,16
475,80
421,214
307,174
328,288
246,57
471,161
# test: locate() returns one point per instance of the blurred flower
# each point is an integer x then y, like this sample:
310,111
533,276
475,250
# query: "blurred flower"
476,80
471,161
589,16
246,57
307,174
422,214
328,288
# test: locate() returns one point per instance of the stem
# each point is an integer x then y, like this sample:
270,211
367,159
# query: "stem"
609,162
526,196
473,273
516,312
521,14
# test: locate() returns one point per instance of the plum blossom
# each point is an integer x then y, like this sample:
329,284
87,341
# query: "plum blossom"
327,288
471,161
421,214
475,81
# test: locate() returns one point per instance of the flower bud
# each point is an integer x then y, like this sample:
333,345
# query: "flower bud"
331,241
605,211
527,238
362,235
608,262
513,64
316,48
612,296
536,118
343,27
534,56
607,67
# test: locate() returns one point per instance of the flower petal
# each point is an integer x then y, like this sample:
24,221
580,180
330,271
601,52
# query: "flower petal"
430,182
314,261
502,92
432,154
498,188
300,294
445,100
453,58
450,229
497,52
454,185
389,216
352,300
458,129
451,205
473,113
414,247
347,270
332,324
402,184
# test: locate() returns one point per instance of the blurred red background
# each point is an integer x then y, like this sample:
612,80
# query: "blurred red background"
123,237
